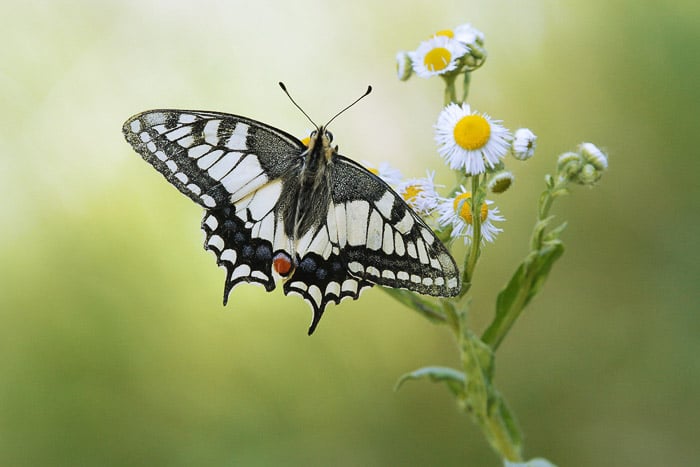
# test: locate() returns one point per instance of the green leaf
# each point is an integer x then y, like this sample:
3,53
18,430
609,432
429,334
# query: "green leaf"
454,379
555,233
542,266
538,232
428,309
525,283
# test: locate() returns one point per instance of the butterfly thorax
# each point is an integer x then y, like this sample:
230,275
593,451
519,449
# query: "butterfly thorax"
313,194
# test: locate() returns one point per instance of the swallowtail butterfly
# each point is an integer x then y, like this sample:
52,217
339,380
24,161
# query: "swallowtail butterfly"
279,209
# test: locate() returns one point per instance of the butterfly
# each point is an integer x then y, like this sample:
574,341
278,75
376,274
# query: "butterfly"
279,210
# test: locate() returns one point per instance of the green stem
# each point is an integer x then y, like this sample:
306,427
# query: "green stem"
483,402
452,318
475,247
546,200
450,90
465,86
501,440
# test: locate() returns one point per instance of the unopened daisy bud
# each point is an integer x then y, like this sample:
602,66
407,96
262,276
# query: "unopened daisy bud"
474,39
437,56
475,58
404,70
569,159
593,155
569,165
585,167
588,175
501,182
524,143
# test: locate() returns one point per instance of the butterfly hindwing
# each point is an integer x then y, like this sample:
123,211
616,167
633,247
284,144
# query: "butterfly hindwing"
212,157
246,235
322,275
320,280
245,259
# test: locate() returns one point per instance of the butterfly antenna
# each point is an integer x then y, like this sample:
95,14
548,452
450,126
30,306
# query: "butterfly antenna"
369,89
284,88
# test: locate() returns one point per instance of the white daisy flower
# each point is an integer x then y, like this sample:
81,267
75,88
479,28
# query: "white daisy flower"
464,33
457,213
470,140
385,171
420,194
524,144
436,56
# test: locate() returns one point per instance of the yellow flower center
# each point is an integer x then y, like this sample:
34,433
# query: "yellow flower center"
465,211
411,193
472,132
446,33
437,59
374,171
305,141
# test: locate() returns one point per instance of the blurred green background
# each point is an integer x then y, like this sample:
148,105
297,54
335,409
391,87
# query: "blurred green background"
114,346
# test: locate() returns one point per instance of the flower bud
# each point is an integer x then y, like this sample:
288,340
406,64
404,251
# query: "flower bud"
524,144
588,175
569,163
593,155
501,182
404,68
475,58
585,167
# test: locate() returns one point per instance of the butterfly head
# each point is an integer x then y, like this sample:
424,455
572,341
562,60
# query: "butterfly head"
320,142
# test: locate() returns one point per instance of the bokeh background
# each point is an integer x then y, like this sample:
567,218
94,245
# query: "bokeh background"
115,348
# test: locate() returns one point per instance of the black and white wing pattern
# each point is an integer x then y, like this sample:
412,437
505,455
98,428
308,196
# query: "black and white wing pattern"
370,236
212,157
262,225
231,166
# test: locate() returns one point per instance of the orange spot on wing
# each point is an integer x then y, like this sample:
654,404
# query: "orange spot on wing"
282,264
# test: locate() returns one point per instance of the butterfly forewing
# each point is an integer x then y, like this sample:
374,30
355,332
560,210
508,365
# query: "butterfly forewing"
214,158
